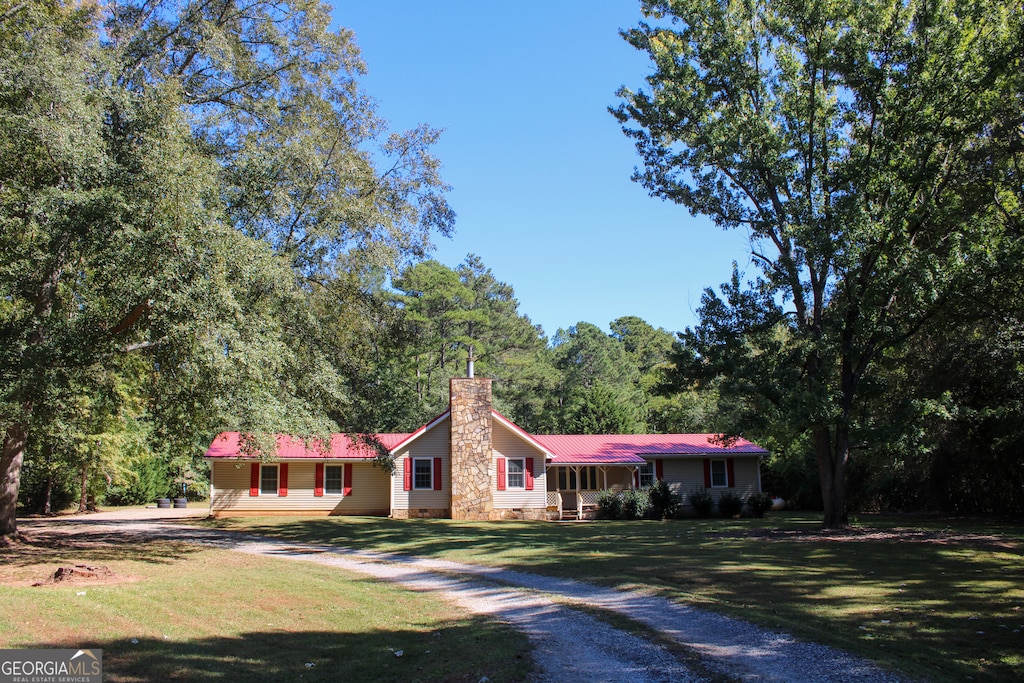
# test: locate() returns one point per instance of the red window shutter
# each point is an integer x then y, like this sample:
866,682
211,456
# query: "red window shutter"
731,471
318,480
282,484
707,473
437,474
347,483
254,479
501,474
659,469
407,471
528,475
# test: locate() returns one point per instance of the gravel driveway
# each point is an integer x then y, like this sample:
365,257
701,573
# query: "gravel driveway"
569,644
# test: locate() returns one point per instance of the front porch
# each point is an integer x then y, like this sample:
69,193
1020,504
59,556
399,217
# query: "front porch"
573,489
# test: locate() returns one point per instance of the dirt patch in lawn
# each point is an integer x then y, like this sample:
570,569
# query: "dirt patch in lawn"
51,560
866,534
84,574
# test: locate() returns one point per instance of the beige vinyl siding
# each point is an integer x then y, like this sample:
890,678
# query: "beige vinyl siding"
508,444
231,491
686,474
434,443
370,494
619,478
746,471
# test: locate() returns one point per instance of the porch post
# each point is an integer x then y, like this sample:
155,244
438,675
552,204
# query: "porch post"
579,498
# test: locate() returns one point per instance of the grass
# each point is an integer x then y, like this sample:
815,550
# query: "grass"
941,600
178,612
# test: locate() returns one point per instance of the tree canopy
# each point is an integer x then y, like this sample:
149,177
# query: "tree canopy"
871,150
205,186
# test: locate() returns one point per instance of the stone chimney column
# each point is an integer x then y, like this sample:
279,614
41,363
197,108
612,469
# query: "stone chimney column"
471,448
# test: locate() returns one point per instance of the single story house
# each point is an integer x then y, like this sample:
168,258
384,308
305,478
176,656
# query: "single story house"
471,462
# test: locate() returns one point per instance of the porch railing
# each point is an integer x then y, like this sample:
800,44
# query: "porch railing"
586,501
555,502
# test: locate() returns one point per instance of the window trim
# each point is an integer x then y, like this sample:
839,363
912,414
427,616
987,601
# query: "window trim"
724,473
521,473
277,480
430,481
646,475
341,480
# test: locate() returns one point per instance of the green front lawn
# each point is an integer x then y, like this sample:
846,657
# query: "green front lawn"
939,599
173,611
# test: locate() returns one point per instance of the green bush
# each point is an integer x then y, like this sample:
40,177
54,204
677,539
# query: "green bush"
626,504
609,505
146,481
760,503
730,505
636,503
664,502
702,502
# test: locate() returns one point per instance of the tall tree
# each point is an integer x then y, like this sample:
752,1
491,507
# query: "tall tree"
181,180
96,184
872,150
460,313
599,384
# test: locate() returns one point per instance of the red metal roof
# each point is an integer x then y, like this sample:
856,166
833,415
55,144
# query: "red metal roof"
626,449
587,449
225,445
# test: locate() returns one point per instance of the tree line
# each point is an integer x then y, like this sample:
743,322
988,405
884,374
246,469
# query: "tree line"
206,226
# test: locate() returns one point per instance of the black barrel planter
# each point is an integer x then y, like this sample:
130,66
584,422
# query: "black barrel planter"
181,502
163,502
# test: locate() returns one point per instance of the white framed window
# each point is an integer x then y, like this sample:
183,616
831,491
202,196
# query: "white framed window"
423,473
515,474
333,478
268,479
646,474
719,474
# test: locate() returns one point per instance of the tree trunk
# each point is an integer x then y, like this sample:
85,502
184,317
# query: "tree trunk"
10,479
833,457
83,502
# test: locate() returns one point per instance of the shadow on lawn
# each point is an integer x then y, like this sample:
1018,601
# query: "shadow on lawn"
94,546
944,609
448,654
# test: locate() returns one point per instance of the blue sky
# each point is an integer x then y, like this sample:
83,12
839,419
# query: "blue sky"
540,170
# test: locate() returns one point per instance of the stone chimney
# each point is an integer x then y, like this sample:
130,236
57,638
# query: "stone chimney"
471,448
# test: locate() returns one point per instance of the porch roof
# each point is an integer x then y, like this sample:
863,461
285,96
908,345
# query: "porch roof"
341,447
630,449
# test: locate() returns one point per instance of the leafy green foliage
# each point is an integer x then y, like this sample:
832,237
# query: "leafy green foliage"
609,504
453,315
597,389
760,503
193,186
730,504
625,504
636,503
871,151
702,501
665,503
